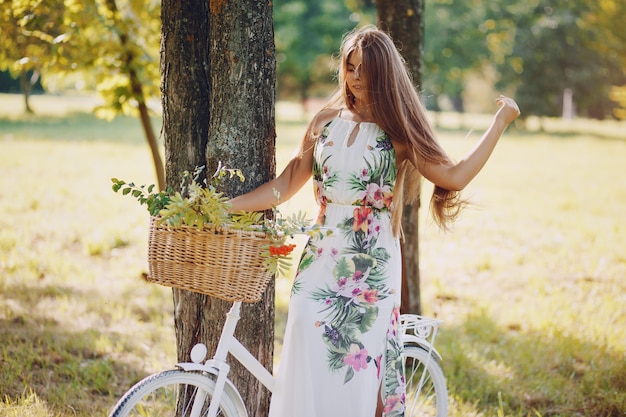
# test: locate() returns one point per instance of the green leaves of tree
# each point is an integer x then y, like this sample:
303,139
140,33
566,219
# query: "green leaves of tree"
537,49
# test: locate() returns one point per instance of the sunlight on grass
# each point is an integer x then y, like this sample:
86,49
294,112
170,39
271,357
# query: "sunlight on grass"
541,256
26,405
529,283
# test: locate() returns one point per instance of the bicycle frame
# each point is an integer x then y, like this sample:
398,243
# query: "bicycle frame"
218,365
228,343
414,329
420,331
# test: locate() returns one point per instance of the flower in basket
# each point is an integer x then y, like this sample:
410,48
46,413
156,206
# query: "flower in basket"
203,206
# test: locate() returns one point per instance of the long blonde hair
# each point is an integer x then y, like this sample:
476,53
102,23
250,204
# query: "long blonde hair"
398,110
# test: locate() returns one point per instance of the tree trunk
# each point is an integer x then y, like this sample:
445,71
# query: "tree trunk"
404,20
137,91
26,87
146,123
242,135
185,90
218,93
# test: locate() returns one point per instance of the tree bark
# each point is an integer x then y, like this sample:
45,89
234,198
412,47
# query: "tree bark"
185,90
404,21
218,93
242,135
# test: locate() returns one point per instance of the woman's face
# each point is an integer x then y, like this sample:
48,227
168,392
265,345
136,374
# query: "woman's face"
355,78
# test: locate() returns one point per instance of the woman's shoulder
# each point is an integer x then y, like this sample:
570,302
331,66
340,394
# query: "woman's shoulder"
322,118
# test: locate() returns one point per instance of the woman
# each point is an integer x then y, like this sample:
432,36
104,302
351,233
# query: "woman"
341,344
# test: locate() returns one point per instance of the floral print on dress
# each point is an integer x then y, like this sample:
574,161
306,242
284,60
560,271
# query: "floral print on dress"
349,305
395,382
346,290
349,310
322,176
374,183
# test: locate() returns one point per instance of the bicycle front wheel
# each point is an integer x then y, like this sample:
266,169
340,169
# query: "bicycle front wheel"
426,391
176,393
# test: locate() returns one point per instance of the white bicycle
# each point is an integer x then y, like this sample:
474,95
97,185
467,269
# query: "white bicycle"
202,389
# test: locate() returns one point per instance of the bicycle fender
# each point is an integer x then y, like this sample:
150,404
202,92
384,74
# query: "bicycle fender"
424,344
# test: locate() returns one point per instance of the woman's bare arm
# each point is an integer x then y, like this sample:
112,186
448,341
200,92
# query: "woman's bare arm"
292,178
456,176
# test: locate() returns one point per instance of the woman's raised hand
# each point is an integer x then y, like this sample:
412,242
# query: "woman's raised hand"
508,110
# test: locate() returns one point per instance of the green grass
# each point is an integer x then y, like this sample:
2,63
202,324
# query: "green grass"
530,283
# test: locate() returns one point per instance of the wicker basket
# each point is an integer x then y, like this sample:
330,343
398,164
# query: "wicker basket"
223,263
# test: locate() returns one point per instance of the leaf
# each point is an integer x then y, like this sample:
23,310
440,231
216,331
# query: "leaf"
363,261
368,318
307,260
349,375
344,268
205,205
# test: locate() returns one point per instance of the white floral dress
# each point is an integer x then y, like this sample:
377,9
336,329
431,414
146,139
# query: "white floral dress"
341,346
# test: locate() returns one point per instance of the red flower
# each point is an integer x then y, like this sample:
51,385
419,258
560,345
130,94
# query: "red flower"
361,216
282,250
370,296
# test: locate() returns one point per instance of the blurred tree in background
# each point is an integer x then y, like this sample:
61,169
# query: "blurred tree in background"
556,46
533,49
612,18
454,46
29,40
308,33
112,43
538,49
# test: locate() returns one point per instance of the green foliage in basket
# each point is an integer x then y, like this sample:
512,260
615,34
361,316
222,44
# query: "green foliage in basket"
202,206
277,253
143,193
197,206
193,206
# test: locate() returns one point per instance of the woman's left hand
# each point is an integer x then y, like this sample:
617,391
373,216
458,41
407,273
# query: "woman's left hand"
508,110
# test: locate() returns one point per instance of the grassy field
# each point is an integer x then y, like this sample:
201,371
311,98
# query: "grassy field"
530,283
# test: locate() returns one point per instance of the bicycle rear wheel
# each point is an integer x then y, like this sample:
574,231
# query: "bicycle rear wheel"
173,393
426,391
